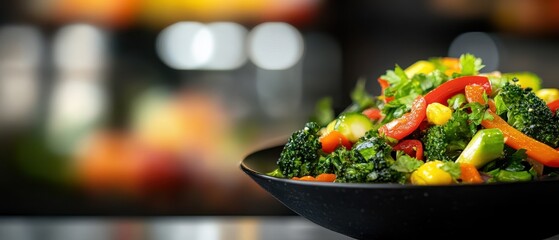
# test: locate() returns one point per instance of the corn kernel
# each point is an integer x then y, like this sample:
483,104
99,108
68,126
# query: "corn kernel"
430,173
438,114
548,94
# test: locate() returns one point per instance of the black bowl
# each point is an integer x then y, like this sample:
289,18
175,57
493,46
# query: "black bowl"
526,210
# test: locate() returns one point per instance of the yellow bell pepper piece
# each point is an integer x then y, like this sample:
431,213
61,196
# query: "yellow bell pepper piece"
525,79
438,114
430,173
421,66
548,94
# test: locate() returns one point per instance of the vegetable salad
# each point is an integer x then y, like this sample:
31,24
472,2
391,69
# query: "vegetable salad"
438,121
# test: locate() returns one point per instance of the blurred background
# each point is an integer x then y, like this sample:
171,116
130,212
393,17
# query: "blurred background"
147,107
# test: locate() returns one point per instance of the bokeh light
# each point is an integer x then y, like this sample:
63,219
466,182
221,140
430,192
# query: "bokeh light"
77,106
80,47
275,45
185,45
194,45
21,52
480,44
78,102
229,46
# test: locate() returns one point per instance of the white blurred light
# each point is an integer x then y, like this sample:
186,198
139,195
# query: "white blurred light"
480,44
275,46
202,46
193,45
229,46
76,106
77,103
21,49
80,47
18,97
185,45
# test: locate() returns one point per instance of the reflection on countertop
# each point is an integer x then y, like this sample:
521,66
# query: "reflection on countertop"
167,228
164,228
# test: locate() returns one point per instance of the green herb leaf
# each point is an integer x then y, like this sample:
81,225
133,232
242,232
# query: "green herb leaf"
452,168
323,111
406,164
470,65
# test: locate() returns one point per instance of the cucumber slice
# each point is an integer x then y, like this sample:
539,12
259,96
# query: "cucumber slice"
486,146
352,125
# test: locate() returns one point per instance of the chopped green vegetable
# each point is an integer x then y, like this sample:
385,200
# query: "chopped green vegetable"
486,145
457,101
510,176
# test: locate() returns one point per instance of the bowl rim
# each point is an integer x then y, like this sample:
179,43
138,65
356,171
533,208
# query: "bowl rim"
252,172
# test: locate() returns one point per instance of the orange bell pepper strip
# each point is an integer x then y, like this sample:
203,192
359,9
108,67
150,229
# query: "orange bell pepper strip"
474,93
411,147
535,149
326,177
452,87
304,178
469,173
452,64
323,177
333,140
401,127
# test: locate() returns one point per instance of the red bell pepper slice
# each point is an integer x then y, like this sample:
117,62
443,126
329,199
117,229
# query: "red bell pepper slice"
535,149
401,127
384,84
373,113
452,87
411,147
554,105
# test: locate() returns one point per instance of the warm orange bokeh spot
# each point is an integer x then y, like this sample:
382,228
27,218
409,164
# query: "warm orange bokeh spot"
109,13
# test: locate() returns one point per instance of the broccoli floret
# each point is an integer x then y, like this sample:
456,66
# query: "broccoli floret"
528,113
369,161
336,162
300,154
446,142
